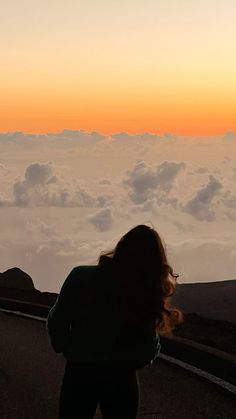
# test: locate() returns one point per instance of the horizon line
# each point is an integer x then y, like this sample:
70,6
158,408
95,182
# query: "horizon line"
128,132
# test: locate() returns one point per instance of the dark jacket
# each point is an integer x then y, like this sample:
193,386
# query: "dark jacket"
85,325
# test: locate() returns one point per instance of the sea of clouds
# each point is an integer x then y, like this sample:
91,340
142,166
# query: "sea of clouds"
67,196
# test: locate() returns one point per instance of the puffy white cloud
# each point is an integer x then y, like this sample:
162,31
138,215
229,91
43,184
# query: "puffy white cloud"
200,206
144,180
35,174
167,172
40,187
39,173
102,219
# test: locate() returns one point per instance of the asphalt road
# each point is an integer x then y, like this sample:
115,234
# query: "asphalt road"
31,374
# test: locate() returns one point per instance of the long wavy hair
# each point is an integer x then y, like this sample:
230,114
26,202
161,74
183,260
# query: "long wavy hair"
146,280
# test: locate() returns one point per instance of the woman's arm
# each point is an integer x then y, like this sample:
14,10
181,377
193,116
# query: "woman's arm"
59,317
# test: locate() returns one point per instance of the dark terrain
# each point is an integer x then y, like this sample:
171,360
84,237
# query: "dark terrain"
209,308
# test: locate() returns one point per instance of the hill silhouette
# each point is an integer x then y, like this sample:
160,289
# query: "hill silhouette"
16,278
17,284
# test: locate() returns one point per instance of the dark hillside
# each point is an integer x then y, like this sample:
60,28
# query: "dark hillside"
215,300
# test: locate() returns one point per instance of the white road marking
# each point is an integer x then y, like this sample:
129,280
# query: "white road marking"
216,380
20,314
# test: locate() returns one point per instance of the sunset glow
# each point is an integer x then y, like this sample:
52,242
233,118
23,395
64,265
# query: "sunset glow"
134,66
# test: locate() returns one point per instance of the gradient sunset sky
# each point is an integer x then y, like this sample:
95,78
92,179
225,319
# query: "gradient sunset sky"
128,65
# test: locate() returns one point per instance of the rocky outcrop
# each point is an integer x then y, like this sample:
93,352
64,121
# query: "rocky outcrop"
17,279
18,285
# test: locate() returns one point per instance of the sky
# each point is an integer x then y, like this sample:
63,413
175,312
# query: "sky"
114,114
135,66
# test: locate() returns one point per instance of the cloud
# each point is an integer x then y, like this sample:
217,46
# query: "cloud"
91,175
102,220
169,136
65,140
103,200
149,205
41,187
39,173
200,205
30,189
229,136
66,198
229,199
81,136
143,180
144,137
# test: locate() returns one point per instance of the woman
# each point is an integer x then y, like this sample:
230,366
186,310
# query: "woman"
106,322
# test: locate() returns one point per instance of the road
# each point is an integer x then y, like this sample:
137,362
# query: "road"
31,374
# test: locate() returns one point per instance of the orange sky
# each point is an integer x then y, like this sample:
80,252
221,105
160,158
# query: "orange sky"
131,66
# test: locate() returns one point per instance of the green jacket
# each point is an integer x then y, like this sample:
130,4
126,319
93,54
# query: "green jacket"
84,323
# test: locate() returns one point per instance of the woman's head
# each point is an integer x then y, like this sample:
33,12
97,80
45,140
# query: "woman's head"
142,248
145,274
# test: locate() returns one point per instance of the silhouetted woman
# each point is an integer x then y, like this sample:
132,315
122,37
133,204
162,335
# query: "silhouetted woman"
106,322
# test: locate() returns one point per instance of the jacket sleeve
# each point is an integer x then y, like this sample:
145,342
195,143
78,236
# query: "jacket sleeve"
59,317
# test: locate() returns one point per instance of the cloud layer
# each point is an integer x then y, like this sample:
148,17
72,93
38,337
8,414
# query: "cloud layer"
67,196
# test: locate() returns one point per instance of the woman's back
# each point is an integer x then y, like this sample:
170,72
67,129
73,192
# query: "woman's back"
97,331
94,321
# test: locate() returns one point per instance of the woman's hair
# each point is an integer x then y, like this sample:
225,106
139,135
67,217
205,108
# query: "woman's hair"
146,279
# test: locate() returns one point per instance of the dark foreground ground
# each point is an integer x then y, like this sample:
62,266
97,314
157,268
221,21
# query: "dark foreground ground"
31,374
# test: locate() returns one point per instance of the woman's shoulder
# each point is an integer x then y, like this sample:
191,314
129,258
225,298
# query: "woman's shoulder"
83,272
80,272
84,268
